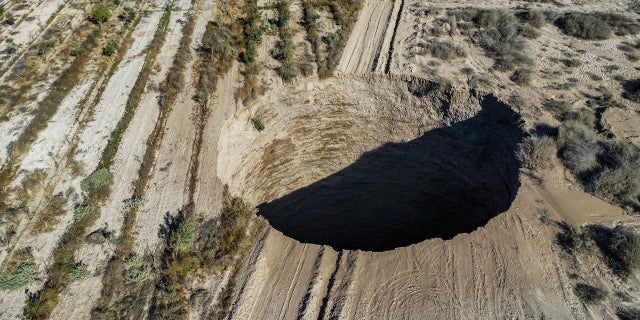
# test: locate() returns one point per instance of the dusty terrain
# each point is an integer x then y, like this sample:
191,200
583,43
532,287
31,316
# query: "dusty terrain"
301,159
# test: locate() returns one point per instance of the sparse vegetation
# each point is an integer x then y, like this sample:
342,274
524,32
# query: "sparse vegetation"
284,49
537,153
327,49
589,294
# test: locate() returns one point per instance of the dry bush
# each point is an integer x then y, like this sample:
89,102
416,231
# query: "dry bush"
49,218
619,179
572,63
609,169
620,24
576,239
579,147
589,294
584,26
585,117
620,247
537,153
529,32
500,35
444,50
632,90
533,17
522,77
629,313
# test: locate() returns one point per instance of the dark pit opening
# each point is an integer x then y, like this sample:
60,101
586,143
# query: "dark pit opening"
450,180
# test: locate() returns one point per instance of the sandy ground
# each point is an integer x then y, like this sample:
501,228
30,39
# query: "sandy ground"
92,140
127,162
27,32
507,269
510,268
167,190
20,114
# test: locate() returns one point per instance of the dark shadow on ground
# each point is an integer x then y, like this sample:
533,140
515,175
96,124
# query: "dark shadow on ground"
450,180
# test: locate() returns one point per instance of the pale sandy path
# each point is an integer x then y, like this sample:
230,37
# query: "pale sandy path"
365,45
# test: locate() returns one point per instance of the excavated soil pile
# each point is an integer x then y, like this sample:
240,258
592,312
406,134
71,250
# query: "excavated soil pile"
376,163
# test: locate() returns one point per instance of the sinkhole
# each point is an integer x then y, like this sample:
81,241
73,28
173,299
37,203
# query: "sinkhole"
375,163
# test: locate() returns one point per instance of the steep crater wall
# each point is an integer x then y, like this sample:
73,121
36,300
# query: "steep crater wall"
374,163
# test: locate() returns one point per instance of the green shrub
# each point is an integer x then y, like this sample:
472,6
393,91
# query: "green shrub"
584,26
138,274
128,15
181,237
537,153
79,271
589,294
100,13
284,13
25,275
286,71
257,124
110,48
283,50
97,181
9,19
86,211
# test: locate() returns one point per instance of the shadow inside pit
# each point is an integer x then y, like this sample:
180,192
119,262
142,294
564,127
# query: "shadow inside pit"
451,180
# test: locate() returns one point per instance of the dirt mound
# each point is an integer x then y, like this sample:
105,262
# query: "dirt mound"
396,162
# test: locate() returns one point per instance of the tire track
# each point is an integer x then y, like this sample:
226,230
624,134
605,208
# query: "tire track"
387,68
